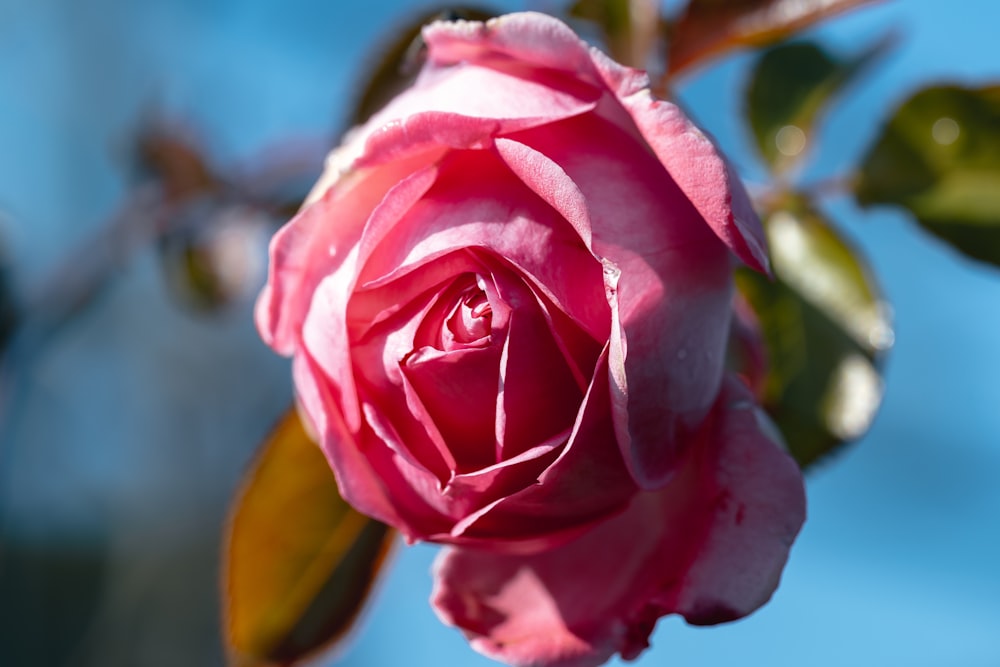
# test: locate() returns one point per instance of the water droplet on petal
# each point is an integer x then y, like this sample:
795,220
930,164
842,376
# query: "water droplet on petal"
611,270
611,275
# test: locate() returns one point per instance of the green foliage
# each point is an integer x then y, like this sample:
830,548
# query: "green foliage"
299,562
939,158
615,21
825,328
790,86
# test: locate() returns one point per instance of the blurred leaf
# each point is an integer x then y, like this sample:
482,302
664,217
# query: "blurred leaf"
789,88
300,562
939,157
402,59
825,328
51,590
614,19
9,305
213,252
746,353
629,26
708,28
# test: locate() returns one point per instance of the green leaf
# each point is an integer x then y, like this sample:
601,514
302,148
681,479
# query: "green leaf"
708,28
300,561
939,157
826,329
402,58
790,86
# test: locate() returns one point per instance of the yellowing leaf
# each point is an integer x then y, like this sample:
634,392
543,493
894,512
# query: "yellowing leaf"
300,561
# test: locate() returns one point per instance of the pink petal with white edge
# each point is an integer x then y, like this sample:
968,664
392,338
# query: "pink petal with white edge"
464,107
525,37
710,546
693,161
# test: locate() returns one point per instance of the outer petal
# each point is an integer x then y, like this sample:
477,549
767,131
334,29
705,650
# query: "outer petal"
710,546
757,510
316,242
526,37
669,281
687,154
358,483
692,160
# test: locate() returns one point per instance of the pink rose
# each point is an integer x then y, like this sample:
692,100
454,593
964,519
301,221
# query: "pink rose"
508,303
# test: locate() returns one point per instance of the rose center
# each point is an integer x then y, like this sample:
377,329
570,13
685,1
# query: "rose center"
472,318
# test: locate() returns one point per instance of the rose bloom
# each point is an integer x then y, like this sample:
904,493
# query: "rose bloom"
508,302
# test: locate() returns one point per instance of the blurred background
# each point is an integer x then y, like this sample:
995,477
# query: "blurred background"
132,402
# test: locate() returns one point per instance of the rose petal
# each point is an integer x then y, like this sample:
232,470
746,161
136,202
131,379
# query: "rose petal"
324,328
465,107
397,413
548,180
587,482
710,546
357,482
671,285
314,244
526,37
688,155
387,486
459,390
758,507
693,161
376,300
477,202
539,395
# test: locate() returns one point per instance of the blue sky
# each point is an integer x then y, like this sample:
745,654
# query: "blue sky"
897,562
